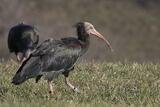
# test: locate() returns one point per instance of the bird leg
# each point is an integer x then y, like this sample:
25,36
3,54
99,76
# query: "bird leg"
50,87
71,86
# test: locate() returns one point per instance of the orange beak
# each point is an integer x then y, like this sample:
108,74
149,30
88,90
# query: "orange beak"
96,33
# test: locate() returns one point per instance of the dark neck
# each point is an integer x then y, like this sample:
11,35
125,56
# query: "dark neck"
83,37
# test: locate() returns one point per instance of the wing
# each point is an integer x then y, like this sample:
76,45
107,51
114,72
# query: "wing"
58,54
64,56
44,47
51,45
30,68
51,55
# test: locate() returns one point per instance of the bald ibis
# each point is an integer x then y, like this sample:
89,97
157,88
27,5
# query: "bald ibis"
22,40
54,57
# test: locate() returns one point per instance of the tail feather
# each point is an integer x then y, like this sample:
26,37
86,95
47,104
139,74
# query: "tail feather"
29,69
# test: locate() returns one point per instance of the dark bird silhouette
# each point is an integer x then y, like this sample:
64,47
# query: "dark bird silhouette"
22,40
54,57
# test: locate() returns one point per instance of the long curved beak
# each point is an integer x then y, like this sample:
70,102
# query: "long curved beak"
96,33
21,57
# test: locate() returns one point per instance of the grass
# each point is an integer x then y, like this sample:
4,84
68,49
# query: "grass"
104,85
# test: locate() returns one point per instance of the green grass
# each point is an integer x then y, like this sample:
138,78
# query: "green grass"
104,85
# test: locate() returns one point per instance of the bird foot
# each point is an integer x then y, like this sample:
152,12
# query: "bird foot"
76,90
53,94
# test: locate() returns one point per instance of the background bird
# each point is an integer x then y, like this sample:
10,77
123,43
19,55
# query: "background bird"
22,40
54,57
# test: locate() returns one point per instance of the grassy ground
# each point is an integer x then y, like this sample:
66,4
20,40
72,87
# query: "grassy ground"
103,85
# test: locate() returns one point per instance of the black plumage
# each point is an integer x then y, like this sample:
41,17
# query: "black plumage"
22,40
54,57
